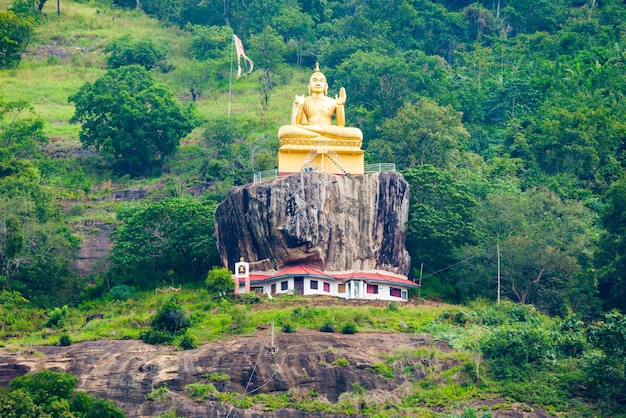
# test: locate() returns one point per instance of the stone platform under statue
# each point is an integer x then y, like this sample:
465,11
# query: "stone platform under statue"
312,142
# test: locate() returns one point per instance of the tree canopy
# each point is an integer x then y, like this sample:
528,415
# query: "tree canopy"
132,119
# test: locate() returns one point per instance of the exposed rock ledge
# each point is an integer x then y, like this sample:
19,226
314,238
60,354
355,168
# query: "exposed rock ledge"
126,371
329,222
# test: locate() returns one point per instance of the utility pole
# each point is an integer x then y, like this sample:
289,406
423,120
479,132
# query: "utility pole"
419,291
498,251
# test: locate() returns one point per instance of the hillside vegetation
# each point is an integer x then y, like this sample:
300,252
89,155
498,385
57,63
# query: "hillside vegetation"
506,117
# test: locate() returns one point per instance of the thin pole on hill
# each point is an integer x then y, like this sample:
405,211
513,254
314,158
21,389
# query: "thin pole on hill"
230,87
499,281
419,290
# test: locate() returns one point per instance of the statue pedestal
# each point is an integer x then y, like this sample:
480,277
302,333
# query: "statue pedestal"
320,154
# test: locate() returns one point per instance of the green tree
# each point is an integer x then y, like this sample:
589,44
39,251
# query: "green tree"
85,405
441,214
15,33
172,238
425,133
131,119
540,238
18,404
610,257
605,368
219,280
128,51
268,50
21,131
46,386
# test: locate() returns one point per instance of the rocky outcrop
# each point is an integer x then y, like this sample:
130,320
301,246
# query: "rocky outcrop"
329,222
127,371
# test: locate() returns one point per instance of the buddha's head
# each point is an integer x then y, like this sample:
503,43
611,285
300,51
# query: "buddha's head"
317,81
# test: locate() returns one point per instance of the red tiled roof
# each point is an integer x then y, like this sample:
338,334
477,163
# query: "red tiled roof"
301,270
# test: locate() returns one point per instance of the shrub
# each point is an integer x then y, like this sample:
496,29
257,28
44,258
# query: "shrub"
56,317
327,327
188,342
199,391
341,362
349,328
289,328
161,394
219,377
156,337
65,340
121,292
384,370
171,318
393,306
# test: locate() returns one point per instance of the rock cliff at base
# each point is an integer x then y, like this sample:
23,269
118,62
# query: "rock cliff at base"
329,222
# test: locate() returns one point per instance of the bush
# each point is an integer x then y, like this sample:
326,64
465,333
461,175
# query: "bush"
155,337
289,328
393,306
327,327
171,318
56,317
65,340
199,391
188,342
349,328
122,292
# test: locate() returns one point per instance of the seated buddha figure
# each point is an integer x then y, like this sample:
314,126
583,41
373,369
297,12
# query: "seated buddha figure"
311,116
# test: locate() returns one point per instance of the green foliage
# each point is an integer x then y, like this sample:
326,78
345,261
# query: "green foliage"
610,257
424,133
121,292
45,386
171,318
188,342
349,328
289,327
605,367
18,403
219,280
172,238
200,391
128,51
65,340
383,370
327,327
15,33
516,351
341,362
160,394
440,218
220,377
56,317
131,119
85,405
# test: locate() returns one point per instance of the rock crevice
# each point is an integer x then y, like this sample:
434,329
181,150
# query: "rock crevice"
329,222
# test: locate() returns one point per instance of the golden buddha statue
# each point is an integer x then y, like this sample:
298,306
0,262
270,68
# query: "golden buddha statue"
311,116
312,141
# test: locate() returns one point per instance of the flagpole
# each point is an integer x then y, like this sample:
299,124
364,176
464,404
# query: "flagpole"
230,88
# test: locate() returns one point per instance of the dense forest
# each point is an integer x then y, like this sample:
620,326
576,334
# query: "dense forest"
507,118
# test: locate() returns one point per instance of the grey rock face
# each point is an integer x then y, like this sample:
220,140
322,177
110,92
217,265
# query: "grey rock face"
329,222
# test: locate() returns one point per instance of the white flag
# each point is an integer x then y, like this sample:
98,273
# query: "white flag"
241,54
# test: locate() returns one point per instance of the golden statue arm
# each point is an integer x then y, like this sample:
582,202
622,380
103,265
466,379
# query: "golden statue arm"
298,110
341,107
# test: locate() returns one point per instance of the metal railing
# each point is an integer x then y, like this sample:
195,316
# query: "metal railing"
379,168
265,175
368,169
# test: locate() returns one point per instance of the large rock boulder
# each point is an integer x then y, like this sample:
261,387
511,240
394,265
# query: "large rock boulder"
329,222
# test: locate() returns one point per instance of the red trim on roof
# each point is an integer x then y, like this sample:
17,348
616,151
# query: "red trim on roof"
301,270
